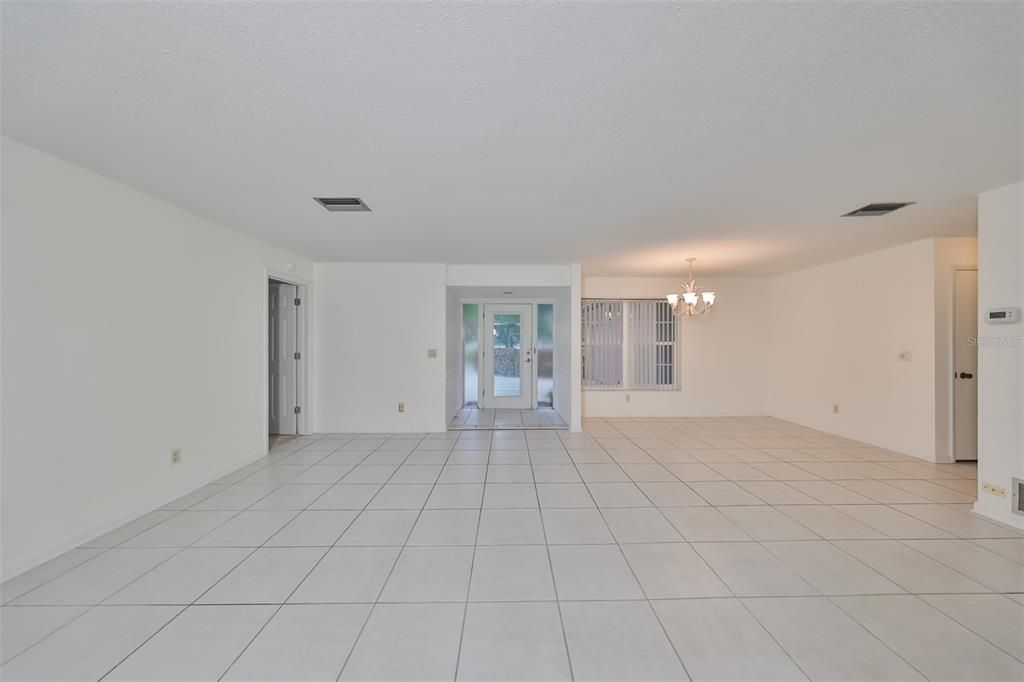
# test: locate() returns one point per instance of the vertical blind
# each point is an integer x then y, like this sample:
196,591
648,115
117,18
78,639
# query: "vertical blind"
629,344
602,343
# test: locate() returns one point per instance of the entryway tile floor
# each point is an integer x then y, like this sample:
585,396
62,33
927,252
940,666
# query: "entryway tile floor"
728,549
477,418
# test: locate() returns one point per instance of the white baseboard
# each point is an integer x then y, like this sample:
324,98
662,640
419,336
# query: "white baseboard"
1002,516
849,435
561,416
69,542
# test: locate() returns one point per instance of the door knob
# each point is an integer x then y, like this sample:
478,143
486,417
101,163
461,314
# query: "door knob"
966,375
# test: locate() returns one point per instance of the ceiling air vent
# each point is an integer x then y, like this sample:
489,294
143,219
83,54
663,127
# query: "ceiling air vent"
877,209
342,203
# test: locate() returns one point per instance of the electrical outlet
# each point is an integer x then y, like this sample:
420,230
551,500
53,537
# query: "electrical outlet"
627,397
431,352
401,407
835,409
175,455
994,489
906,355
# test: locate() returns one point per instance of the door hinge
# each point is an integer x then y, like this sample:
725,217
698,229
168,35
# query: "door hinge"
298,301
298,410
298,355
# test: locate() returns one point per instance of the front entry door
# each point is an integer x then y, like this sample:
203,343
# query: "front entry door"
965,365
507,341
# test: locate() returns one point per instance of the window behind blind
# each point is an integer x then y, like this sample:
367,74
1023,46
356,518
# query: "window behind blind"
629,344
602,344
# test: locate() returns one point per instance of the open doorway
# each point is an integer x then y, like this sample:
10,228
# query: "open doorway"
508,360
285,361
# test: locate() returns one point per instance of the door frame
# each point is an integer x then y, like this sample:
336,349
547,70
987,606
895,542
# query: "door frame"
950,376
304,374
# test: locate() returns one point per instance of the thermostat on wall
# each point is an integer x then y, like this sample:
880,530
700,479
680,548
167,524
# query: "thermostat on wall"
1003,316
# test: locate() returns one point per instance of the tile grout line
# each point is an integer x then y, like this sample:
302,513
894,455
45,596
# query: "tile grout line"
632,570
472,563
298,584
967,627
551,563
194,602
398,556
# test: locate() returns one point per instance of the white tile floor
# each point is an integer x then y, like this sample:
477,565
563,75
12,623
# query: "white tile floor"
729,549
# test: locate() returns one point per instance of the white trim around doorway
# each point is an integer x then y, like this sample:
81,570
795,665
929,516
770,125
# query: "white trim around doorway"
304,344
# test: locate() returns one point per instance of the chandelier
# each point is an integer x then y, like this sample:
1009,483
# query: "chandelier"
695,302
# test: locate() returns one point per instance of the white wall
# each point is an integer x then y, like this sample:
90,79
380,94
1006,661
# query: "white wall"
374,325
576,340
473,275
1001,356
838,330
722,357
951,254
562,355
130,327
455,385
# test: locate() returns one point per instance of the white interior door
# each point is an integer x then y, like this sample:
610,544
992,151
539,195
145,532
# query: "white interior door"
283,338
506,339
965,365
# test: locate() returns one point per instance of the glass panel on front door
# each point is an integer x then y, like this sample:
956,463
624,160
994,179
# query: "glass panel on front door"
507,332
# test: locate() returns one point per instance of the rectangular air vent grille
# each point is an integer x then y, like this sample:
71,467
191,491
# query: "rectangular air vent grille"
342,203
877,209
1018,496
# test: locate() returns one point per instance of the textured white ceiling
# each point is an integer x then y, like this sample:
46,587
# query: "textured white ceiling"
625,136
